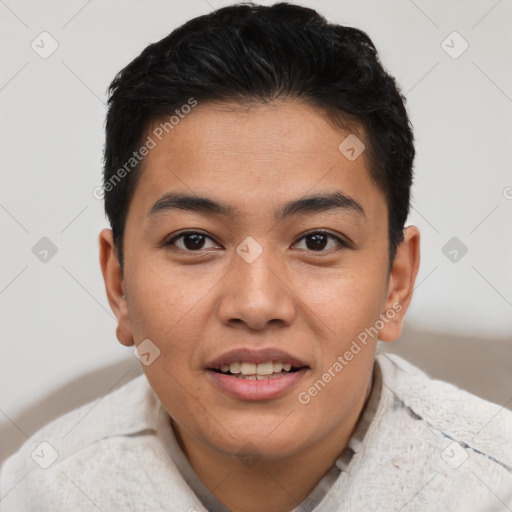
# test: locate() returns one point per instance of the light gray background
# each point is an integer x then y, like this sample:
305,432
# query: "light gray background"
58,334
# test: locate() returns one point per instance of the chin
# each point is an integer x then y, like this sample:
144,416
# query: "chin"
271,440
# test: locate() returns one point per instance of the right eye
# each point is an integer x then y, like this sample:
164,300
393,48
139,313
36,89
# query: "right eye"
189,241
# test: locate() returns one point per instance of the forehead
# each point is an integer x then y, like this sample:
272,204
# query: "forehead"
266,132
252,154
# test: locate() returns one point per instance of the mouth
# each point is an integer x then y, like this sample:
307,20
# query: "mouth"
261,371
256,375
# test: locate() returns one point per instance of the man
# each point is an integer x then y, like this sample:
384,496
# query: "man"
258,166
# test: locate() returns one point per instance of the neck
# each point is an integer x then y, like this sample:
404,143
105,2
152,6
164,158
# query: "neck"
268,483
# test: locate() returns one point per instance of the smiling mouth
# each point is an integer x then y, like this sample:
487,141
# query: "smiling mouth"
260,371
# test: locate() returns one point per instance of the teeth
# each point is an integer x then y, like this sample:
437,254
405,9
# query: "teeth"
234,368
248,368
262,370
265,368
278,367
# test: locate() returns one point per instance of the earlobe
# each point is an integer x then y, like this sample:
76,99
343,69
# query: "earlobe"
114,286
401,284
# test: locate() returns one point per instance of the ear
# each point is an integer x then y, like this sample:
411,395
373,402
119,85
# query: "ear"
401,284
114,286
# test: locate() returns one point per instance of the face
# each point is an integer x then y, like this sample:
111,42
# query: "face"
271,268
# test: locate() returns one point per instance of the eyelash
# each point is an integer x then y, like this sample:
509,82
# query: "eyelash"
341,242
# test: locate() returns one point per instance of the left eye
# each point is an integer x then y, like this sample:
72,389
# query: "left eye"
319,240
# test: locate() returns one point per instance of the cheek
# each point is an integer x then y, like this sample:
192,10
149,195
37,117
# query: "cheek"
349,308
166,308
162,300
347,302
338,388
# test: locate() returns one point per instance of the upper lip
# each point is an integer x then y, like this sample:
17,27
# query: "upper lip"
246,355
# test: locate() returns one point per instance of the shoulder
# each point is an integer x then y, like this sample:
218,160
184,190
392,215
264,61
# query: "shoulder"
458,414
430,446
111,437
127,409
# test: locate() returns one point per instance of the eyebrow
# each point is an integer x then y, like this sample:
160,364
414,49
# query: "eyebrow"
206,206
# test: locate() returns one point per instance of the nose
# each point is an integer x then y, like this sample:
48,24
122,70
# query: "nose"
256,295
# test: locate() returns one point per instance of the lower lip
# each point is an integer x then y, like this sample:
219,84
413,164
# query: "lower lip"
245,389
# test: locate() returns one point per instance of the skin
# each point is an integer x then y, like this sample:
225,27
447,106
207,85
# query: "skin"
196,305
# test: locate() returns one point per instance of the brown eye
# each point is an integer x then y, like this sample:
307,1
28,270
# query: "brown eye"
190,241
319,240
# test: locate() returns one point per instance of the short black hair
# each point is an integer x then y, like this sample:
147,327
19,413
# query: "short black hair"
252,53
